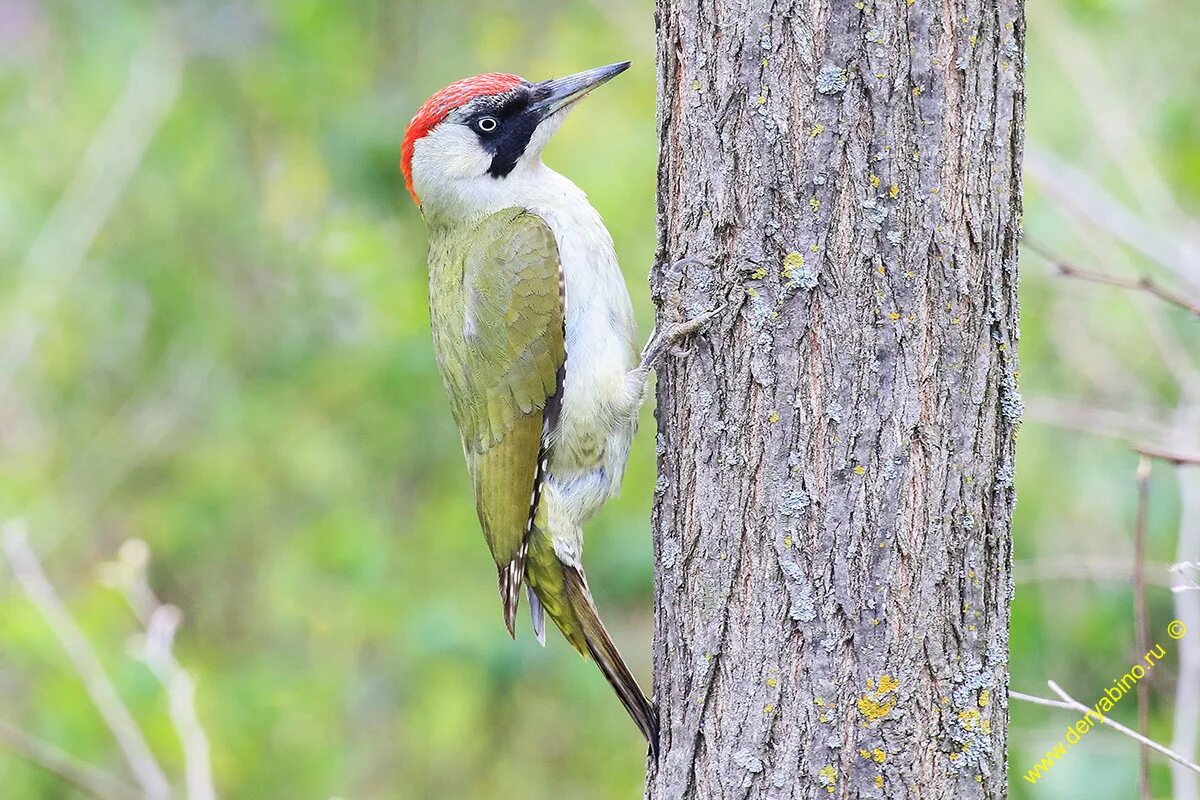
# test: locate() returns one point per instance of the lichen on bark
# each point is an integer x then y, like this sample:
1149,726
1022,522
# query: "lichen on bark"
832,521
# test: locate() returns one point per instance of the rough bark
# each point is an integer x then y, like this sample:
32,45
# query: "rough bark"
836,457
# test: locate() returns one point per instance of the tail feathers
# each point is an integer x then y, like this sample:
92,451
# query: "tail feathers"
608,658
509,581
537,615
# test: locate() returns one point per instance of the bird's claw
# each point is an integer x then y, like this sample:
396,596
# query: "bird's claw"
685,329
668,339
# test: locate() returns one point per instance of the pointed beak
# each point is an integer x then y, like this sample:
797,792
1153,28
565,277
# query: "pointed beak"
555,95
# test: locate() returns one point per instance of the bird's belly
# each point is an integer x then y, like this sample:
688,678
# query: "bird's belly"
591,444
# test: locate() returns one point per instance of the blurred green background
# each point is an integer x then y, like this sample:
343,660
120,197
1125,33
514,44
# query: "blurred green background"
218,343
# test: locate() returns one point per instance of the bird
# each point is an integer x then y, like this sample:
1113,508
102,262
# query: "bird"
533,331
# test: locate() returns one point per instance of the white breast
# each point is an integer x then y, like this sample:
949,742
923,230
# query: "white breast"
592,442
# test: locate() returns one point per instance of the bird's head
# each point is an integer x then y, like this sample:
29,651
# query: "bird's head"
476,139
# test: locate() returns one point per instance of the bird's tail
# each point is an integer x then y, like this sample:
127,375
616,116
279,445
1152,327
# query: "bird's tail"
604,652
563,592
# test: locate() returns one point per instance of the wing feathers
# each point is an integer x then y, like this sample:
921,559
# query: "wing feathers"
502,354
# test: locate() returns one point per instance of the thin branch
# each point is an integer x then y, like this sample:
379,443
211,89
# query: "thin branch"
116,715
1071,704
1186,727
88,779
1139,614
1112,120
1040,701
155,650
1081,194
1142,284
1183,570
110,161
1170,456
1090,568
1109,423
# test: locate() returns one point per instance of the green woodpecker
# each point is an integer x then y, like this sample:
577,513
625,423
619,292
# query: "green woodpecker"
534,335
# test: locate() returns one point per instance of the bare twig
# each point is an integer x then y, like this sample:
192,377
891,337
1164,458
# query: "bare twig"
1170,456
1183,571
1080,194
155,650
88,779
1141,284
1113,121
1072,704
1089,568
1111,423
109,162
120,722
1139,614
1186,724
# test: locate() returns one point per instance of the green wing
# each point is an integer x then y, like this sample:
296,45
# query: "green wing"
498,322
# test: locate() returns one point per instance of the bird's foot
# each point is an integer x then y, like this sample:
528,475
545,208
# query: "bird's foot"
668,338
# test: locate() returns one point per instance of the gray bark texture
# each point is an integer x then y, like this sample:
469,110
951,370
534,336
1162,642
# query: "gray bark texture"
832,518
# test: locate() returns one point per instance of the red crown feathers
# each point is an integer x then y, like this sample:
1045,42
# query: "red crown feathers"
435,109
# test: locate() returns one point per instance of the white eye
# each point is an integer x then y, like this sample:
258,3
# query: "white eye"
487,124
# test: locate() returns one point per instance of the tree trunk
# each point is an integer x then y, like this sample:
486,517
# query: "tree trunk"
836,455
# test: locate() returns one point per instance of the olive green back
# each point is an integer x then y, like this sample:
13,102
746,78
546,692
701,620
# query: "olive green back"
496,308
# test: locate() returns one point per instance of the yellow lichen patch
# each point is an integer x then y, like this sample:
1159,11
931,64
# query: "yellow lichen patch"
973,40
865,753
769,708
874,710
827,775
874,180
879,778
818,702
893,191
817,130
860,469
879,701
771,682
824,718
696,85
787,542
917,91
894,316
878,756
759,274
792,262
773,417
815,203
969,719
